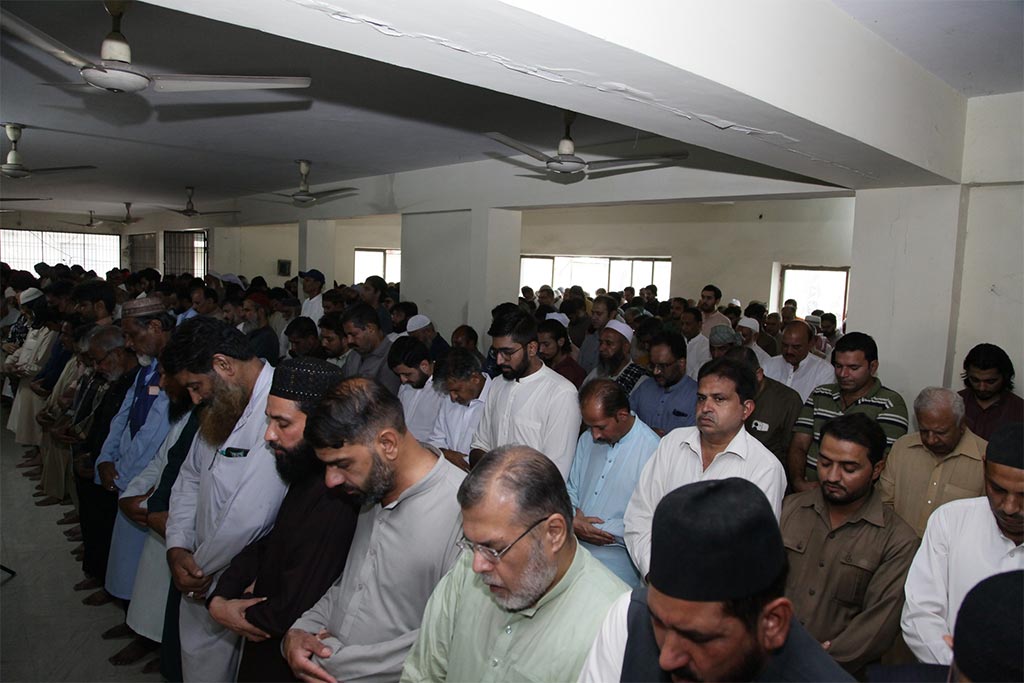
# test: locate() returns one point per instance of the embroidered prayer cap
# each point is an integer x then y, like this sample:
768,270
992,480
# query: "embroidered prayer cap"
622,328
137,308
560,317
304,379
30,294
315,274
417,322
749,323
721,335
987,640
1006,447
715,540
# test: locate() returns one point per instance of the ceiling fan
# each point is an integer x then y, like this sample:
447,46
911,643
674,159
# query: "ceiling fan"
114,71
565,160
93,221
20,199
14,169
190,209
304,197
128,218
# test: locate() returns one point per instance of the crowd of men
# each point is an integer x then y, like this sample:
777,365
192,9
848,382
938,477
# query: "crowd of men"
616,488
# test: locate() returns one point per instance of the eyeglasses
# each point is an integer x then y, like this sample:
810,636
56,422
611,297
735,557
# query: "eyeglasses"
490,554
507,353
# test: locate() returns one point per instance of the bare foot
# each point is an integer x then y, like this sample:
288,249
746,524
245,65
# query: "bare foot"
70,517
119,631
46,502
88,584
133,651
70,531
100,597
152,666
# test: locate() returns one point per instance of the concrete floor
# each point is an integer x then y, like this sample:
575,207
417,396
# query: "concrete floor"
46,633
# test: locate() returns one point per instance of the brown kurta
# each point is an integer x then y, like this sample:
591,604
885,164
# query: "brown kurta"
846,584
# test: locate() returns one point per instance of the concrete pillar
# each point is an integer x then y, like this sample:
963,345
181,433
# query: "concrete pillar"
905,279
316,249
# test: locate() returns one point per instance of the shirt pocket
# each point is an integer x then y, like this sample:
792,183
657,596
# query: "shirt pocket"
855,574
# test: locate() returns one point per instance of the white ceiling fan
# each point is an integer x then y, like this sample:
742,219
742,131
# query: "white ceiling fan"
565,161
114,71
93,221
190,208
304,197
14,169
128,218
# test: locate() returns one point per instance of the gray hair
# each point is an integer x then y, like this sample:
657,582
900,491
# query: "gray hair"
939,397
106,338
528,475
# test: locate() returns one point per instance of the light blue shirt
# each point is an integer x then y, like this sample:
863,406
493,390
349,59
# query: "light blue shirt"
601,482
666,409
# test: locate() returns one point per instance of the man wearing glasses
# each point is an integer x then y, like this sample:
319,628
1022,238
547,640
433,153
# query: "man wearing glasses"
531,404
525,600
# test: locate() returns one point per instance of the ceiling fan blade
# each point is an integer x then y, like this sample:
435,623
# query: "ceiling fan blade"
327,193
216,213
280,194
25,199
60,169
183,212
521,146
33,36
69,86
612,163
84,225
201,82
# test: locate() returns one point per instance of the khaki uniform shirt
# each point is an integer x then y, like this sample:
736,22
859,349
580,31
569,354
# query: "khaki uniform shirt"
915,482
846,584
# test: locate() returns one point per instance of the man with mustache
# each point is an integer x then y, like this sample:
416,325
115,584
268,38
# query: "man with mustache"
965,542
718,447
714,609
467,387
525,600
290,568
405,540
848,553
614,359
228,490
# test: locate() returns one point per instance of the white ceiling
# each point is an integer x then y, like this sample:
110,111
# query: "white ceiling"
360,118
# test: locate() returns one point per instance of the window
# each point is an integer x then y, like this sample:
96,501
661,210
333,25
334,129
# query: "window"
595,272
384,262
142,251
185,252
22,249
815,287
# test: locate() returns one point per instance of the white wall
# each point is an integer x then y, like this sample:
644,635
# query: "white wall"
254,250
994,140
733,246
368,232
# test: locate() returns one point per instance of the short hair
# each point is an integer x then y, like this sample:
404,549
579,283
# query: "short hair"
470,333
571,307
857,341
857,428
195,341
673,340
150,274
829,316
933,397
748,609
648,327
527,475
653,289
608,303
744,354
61,288
786,303
755,310
518,324
987,357
409,308
714,290
360,316
96,290
407,351
377,283
695,312
208,293
332,322
302,326
333,296
354,412
737,372
459,364
609,395
801,325
106,338
556,329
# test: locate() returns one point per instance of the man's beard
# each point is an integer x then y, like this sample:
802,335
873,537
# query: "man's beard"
296,464
224,408
746,669
609,365
514,372
536,579
379,482
178,406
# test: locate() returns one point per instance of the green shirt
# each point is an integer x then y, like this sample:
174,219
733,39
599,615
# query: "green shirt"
466,636
881,404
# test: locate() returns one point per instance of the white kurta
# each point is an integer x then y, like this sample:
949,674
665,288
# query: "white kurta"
698,352
314,308
457,423
421,407
27,361
224,499
962,545
677,462
809,375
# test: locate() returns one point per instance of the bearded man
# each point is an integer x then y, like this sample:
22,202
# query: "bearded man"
228,490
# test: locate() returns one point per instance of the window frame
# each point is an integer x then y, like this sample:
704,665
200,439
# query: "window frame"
784,268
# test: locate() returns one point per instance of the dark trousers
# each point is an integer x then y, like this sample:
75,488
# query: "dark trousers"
97,510
170,642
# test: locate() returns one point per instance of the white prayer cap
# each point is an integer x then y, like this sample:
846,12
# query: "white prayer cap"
417,322
560,317
9,293
622,328
749,323
735,302
30,294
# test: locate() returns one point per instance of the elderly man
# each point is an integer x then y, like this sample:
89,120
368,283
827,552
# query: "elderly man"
718,447
313,286
614,359
856,390
410,359
749,329
670,401
531,404
966,541
460,375
776,407
228,490
405,540
365,336
797,367
610,455
848,553
291,567
939,463
524,601
264,341
714,609
420,327
555,349
988,390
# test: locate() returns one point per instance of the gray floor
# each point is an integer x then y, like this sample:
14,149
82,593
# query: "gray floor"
46,633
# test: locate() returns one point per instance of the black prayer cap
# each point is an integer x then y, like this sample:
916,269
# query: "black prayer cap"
988,640
304,379
715,540
1006,447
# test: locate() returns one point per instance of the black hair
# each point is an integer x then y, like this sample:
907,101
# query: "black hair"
557,331
470,333
571,307
744,354
608,393
354,412
673,340
755,310
608,303
987,357
60,288
695,312
856,341
332,322
857,428
829,316
518,324
378,284
458,364
302,326
407,351
195,341
737,372
96,290
361,315
409,308
714,290
748,609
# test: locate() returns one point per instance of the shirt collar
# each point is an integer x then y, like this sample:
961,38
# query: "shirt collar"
738,445
968,445
871,511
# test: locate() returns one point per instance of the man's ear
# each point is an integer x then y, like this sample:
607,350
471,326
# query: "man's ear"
224,365
773,624
388,441
556,531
